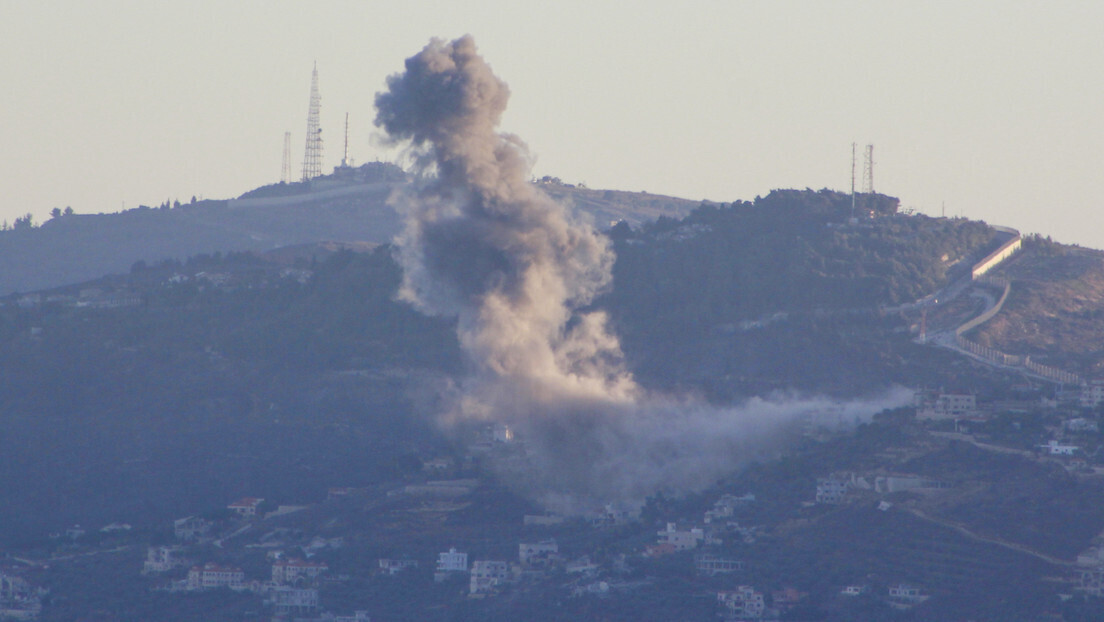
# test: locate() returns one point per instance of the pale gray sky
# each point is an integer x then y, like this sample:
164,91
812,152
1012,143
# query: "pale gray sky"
994,108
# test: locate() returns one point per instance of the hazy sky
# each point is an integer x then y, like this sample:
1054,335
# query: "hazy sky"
994,108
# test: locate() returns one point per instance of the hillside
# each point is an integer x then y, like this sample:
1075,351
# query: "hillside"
350,206
177,386
1055,308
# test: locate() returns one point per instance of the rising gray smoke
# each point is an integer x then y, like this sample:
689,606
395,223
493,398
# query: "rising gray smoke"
484,245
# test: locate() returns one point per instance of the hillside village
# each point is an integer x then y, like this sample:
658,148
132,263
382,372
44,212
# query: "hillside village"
984,498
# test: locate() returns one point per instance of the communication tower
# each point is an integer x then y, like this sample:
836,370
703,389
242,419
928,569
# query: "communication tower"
312,158
868,170
345,161
852,181
285,170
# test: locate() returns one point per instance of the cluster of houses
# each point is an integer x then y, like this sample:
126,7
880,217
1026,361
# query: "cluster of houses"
487,576
19,598
833,489
292,587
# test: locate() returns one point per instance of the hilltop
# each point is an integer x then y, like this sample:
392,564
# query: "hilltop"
347,206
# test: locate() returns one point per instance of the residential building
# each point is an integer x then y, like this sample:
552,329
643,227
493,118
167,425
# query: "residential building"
394,566
488,575
296,571
711,564
163,559
245,507
210,576
450,562
1092,394
681,540
191,527
948,406
583,565
906,593
743,603
539,554
1054,448
832,489
19,599
1092,581
885,484
285,599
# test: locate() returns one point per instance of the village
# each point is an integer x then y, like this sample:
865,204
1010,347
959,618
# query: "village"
288,559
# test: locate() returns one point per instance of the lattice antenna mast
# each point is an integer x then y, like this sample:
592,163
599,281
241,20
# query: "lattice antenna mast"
285,169
852,181
312,158
868,171
345,163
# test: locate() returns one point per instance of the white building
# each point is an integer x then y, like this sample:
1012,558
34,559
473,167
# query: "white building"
285,599
681,540
449,562
394,566
743,602
488,575
211,576
832,489
191,527
711,565
245,507
292,571
949,406
19,599
163,559
1054,448
906,593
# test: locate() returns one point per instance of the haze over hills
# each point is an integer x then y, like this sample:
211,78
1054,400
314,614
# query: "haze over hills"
176,387
348,206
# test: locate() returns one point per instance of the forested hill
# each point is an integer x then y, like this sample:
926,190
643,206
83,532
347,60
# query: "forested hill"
783,292
159,381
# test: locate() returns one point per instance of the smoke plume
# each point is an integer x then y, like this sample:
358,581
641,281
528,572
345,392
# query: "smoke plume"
514,267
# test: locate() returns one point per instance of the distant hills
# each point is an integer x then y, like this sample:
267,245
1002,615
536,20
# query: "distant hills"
347,206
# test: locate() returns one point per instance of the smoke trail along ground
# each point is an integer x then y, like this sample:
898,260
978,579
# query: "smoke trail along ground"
483,244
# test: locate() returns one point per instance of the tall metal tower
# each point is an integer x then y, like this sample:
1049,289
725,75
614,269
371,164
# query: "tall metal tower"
285,169
312,158
868,170
345,163
852,181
